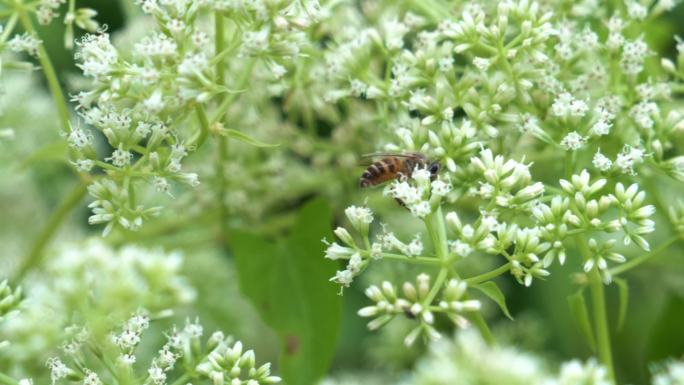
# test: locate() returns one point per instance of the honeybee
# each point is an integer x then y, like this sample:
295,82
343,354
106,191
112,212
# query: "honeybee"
394,166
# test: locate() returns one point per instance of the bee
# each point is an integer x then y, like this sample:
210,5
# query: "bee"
395,166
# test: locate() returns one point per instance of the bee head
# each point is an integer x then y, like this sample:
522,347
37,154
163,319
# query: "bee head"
434,169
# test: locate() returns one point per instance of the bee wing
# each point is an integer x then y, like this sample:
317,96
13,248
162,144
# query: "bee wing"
390,154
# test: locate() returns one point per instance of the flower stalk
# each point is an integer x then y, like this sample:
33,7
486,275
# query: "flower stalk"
49,71
35,254
598,301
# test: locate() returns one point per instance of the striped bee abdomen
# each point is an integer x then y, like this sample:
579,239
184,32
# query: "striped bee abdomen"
380,171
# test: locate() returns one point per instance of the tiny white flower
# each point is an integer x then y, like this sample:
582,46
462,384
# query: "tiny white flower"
343,277
601,127
120,157
157,375
58,370
482,64
573,141
602,162
415,247
354,264
440,188
78,138
422,209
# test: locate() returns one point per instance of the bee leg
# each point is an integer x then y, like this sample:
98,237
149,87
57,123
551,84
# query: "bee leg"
408,313
401,203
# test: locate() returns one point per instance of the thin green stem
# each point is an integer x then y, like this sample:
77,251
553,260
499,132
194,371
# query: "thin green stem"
182,379
439,282
201,135
481,324
598,301
569,162
7,380
601,321
50,74
643,258
219,30
9,27
436,227
425,261
241,84
45,235
489,275
434,9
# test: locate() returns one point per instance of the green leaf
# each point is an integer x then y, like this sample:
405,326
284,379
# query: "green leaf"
288,284
51,152
623,291
578,308
491,290
235,134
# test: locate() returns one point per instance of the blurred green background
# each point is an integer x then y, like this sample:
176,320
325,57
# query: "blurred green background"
653,331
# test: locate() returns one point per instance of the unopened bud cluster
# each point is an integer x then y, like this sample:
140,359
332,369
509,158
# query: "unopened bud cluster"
219,359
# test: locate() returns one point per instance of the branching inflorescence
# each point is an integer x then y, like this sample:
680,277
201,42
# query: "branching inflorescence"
141,100
491,91
219,359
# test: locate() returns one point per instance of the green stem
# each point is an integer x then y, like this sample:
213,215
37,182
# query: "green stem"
182,379
601,322
45,235
643,258
598,301
425,261
481,324
569,162
241,84
203,132
50,74
222,140
7,380
439,282
9,27
436,227
435,10
489,275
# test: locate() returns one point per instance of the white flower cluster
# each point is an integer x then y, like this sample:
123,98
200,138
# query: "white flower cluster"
672,373
417,304
467,356
9,302
226,364
419,193
90,281
533,68
577,372
214,360
476,86
140,98
25,42
9,298
582,210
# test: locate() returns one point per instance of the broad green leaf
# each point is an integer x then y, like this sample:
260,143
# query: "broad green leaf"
55,151
241,136
491,290
665,339
289,285
578,308
623,290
